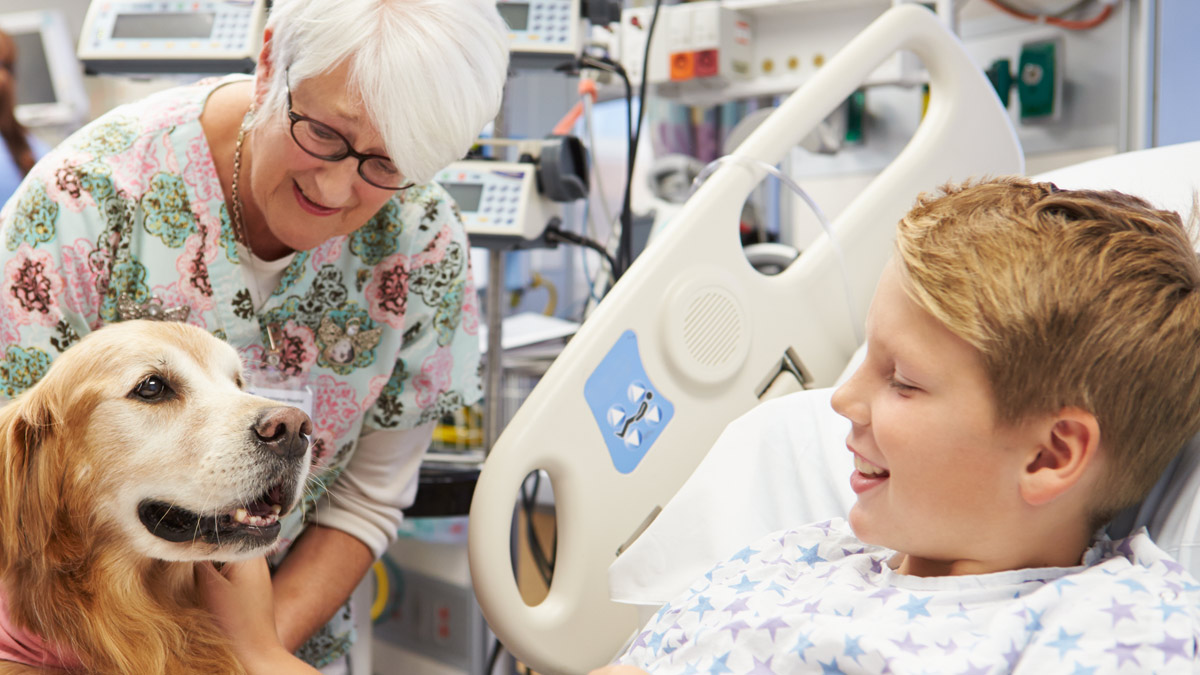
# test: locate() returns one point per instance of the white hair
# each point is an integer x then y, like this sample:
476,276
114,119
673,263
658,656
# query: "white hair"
430,73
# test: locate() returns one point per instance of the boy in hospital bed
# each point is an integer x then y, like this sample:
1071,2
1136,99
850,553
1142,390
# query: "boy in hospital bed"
1033,364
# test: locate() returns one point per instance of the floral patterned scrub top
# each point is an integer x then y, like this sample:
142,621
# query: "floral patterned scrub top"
129,212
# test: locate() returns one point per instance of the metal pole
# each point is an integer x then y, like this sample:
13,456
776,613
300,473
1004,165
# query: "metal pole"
494,371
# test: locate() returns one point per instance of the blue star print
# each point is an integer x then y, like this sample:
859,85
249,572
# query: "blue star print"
1168,610
744,586
1066,642
916,606
655,642
810,556
1133,585
802,645
1035,620
1110,614
702,606
744,554
718,665
852,650
830,668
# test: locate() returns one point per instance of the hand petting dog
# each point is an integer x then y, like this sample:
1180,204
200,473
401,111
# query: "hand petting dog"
240,596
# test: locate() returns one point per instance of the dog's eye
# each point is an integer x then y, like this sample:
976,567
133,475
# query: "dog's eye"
151,389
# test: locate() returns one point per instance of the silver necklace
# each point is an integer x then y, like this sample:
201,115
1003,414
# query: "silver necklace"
236,216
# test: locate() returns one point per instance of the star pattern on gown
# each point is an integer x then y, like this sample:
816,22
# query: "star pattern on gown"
794,607
1065,642
744,586
702,606
1172,647
916,606
1120,610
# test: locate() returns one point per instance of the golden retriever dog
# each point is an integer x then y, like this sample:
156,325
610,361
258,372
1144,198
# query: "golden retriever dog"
138,454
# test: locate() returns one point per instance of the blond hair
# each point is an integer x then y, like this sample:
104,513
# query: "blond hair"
1073,298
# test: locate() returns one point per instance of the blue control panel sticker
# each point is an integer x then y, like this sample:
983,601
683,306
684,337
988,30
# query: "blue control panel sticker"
631,413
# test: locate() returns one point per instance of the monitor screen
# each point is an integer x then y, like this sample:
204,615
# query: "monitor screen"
515,14
34,84
466,194
50,89
163,25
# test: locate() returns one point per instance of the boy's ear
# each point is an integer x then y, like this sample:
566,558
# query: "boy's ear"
1070,444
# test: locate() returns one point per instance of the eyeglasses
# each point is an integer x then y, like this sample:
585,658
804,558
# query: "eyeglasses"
324,142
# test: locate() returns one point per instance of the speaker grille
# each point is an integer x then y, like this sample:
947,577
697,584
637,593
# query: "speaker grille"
711,328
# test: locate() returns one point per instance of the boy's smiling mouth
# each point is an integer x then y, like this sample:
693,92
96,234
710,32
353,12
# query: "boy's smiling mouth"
866,475
868,469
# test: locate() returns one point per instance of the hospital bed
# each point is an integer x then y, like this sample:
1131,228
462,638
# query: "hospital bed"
783,463
692,337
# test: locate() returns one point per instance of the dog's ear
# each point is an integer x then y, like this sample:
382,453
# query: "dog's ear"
24,423
26,507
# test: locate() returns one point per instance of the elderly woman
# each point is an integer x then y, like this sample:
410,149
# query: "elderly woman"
290,214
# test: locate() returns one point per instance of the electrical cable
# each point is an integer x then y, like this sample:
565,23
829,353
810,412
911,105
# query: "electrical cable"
493,656
587,275
606,64
625,249
1055,19
545,565
554,234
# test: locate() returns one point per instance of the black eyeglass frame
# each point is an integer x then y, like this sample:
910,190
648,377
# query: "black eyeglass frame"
296,118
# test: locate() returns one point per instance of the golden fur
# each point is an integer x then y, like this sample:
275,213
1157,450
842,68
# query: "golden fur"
84,450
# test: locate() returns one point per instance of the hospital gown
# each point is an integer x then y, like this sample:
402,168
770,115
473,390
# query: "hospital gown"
816,599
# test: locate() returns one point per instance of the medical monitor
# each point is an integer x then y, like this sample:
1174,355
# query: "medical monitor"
50,88
139,37
543,30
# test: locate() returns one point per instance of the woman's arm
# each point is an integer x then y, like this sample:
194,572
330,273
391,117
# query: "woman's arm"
314,581
352,527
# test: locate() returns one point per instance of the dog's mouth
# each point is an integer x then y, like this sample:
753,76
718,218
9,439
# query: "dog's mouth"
257,521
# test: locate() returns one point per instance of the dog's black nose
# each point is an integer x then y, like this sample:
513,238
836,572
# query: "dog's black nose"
284,430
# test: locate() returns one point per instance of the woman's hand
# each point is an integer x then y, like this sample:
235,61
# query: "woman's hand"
240,597
618,670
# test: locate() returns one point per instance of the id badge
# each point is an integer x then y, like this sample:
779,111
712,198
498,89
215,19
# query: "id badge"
269,382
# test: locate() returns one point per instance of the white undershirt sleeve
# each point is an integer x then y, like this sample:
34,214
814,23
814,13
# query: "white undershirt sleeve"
381,479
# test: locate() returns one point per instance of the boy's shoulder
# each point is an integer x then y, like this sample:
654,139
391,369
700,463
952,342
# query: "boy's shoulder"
1130,603
1145,572
1136,557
